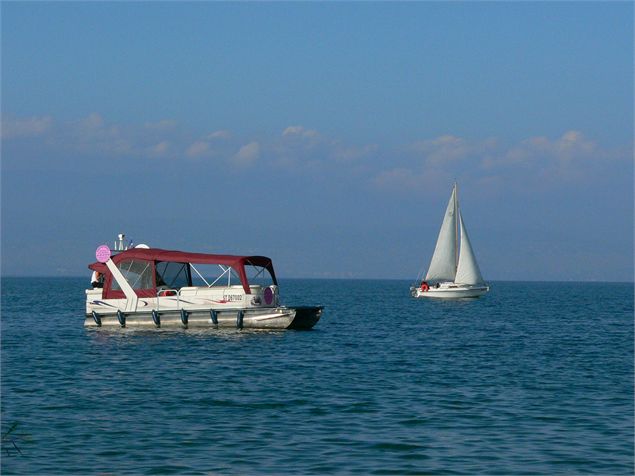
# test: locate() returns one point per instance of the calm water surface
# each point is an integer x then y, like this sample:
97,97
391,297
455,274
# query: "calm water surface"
535,378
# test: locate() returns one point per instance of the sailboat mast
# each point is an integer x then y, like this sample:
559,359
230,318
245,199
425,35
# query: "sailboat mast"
456,224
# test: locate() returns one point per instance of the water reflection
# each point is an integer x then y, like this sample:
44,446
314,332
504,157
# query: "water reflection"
130,333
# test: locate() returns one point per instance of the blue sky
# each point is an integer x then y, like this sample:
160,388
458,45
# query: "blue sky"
324,135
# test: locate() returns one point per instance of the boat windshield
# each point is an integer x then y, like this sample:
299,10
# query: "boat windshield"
138,273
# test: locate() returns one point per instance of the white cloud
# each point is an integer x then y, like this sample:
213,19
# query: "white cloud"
299,131
573,144
534,162
198,149
223,134
553,156
443,149
30,127
93,135
247,155
161,149
300,147
93,121
537,161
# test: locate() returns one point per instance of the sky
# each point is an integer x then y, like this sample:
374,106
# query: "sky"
326,135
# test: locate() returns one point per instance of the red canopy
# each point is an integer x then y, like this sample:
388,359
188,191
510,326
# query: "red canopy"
156,254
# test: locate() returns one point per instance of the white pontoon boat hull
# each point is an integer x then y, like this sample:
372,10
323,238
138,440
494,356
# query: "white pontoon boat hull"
272,318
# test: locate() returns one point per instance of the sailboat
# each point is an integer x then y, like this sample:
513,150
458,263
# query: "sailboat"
453,272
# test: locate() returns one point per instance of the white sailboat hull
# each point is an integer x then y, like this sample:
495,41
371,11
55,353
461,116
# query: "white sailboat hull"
452,291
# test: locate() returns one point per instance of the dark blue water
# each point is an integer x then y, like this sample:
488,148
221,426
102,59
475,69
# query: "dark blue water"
534,378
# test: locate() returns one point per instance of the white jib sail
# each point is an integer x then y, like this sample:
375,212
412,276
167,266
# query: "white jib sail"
443,263
467,271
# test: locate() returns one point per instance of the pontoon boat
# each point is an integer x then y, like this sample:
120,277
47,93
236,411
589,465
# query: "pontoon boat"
151,287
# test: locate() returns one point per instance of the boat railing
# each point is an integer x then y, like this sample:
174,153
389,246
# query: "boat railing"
168,293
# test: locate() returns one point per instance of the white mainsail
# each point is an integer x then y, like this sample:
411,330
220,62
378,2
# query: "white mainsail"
443,263
467,271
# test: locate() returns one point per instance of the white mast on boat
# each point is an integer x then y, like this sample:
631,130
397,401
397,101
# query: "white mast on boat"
456,224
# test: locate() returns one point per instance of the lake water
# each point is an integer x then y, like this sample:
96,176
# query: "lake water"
534,378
